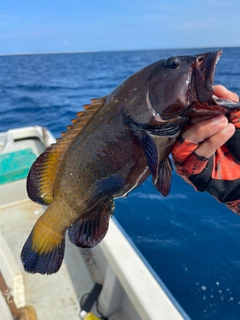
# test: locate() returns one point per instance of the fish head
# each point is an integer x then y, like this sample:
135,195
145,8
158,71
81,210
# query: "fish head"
182,86
174,90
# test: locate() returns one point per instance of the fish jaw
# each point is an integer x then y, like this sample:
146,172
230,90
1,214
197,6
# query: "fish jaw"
205,103
204,69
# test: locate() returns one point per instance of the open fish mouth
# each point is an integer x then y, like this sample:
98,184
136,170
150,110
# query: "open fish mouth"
205,67
217,100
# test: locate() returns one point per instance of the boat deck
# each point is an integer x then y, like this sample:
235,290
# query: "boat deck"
39,288
58,294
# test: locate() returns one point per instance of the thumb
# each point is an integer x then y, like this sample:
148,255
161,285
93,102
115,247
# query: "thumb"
222,92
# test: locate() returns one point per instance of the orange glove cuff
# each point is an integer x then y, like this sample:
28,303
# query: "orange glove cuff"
186,161
235,118
182,149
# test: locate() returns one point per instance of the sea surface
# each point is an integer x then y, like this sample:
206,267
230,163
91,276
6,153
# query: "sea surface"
190,240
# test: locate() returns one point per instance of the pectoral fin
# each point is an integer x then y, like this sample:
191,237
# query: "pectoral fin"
163,182
157,149
89,230
157,142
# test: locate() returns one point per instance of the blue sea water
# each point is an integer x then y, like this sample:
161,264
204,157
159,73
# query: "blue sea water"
190,240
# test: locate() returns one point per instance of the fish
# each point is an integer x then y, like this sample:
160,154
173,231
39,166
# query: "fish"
111,148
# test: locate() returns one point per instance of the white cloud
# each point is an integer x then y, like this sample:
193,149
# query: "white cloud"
22,34
218,2
7,20
65,43
197,25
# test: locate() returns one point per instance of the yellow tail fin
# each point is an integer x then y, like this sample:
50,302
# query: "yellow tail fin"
44,249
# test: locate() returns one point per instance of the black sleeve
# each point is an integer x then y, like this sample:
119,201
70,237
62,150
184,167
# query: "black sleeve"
223,190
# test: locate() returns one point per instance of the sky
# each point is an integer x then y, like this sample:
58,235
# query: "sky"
106,25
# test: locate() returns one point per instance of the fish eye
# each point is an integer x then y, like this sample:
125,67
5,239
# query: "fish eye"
172,62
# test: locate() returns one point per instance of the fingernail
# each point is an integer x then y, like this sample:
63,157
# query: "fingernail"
236,98
219,119
229,128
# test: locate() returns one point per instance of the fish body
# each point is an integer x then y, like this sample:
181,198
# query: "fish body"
111,148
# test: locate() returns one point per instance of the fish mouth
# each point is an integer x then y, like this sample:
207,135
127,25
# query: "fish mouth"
205,67
220,101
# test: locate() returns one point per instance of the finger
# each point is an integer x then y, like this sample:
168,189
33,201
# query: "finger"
209,146
222,92
197,119
191,163
205,129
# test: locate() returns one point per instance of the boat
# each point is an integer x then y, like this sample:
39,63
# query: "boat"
110,281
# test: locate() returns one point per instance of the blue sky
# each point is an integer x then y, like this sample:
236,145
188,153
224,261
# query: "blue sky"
77,25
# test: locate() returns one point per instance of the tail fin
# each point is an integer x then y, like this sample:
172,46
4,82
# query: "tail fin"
44,250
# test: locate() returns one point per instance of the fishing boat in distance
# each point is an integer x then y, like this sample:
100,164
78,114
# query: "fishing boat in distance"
110,281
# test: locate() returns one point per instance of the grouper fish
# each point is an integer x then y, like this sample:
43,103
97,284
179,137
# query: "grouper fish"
111,148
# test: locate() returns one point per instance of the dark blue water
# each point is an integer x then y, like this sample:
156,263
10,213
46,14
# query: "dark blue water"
191,241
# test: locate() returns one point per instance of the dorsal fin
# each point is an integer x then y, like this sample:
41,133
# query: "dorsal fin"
43,172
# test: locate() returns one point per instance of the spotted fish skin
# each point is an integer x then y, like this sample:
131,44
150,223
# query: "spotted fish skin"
110,149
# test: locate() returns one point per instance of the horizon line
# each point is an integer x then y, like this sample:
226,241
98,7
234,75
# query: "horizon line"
114,50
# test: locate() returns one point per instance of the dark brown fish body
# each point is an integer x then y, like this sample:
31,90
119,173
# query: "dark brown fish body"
111,149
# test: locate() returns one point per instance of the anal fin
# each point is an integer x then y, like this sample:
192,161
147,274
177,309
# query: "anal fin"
89,230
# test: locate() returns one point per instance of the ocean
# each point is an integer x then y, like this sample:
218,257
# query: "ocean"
190,240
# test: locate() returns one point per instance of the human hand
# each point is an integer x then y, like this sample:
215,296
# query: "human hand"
208,155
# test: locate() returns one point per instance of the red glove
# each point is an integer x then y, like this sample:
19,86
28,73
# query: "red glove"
220,174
